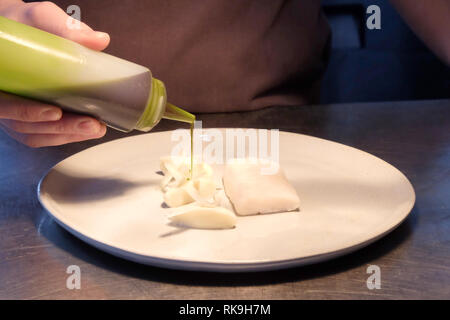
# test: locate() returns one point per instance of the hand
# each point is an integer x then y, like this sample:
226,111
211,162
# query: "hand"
34,123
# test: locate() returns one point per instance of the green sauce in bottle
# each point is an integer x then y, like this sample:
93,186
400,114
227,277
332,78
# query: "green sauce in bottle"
42,66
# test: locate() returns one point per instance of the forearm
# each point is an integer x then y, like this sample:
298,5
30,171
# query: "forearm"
430,20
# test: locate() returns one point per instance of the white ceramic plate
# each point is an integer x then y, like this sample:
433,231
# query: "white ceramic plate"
108,196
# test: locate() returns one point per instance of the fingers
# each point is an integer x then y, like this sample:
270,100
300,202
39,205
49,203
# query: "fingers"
21,109
48,140
68,124
37,140
94,40
51,18
36,124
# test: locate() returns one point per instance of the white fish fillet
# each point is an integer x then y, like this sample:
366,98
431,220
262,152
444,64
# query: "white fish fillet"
251,192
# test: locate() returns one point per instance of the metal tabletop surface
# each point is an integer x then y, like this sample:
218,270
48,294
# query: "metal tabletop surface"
414,259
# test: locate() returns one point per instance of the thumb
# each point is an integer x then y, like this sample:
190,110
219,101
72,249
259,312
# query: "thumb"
51,18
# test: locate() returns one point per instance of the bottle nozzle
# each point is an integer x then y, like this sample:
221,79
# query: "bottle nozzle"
174,113
158,108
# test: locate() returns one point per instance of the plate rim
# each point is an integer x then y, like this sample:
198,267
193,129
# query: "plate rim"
229,266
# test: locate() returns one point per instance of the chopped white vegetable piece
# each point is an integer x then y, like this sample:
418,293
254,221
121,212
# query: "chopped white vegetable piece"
180,188
176,171
194,216
175,197
195,198
222,200
201,189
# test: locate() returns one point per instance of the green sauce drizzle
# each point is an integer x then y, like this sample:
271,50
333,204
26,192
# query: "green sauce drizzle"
174,113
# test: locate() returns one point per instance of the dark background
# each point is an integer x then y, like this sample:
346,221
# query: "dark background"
378,65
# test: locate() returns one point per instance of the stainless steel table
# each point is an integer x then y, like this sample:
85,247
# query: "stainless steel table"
414,259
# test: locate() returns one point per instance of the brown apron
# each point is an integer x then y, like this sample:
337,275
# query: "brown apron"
219,55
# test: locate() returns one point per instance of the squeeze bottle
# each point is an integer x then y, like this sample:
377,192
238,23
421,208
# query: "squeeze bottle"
42,66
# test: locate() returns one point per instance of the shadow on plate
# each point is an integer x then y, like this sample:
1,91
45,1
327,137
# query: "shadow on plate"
64,187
